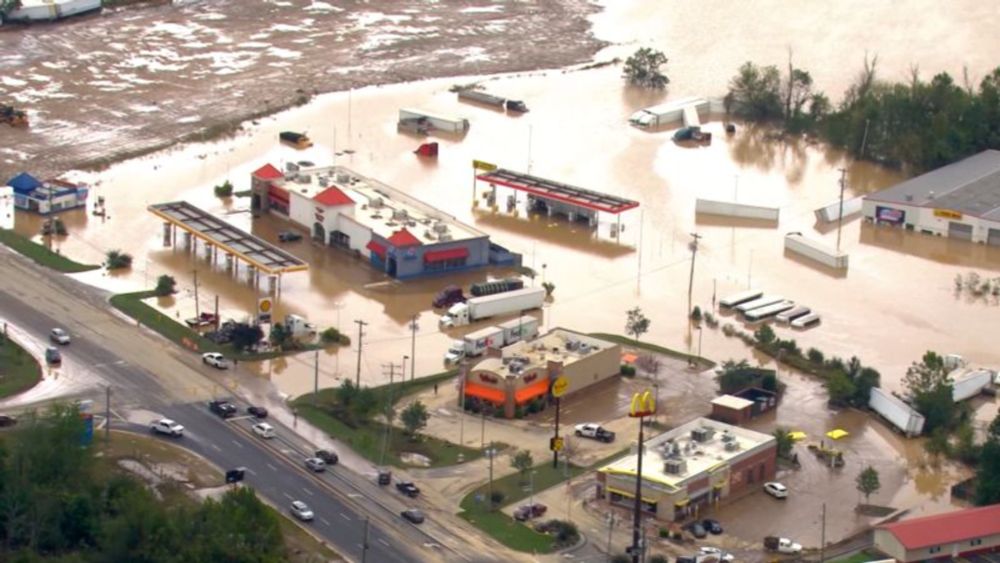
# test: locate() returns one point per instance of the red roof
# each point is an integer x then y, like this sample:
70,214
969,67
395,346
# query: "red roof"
332,196
950,527
377,248
403,238
268,172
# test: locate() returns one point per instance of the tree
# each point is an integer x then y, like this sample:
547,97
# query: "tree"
637,324
993,431
922,377
224,189
784,441
117,260
280,336
966,449
840,388
930,390
755,92
414,417
165,285
245,335
649,363
549,288
988,474
643,69
764,334
363,406
863,383
867,482
522,462
333,336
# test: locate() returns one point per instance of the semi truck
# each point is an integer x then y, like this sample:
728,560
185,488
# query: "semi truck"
667,113
478,96
898,413
429,121
478,308
815,250
496,286
476,343
967,383
733,209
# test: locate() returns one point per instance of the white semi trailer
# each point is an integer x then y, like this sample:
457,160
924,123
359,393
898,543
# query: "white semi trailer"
476,343
434,121
815,250
733,209
478,308
898,413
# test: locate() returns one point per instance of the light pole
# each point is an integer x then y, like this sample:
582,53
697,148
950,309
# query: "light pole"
699,341
413,347
643,405
694,253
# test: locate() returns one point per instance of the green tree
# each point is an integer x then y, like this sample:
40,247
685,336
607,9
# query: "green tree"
966,449
643,69
863,383
245,336
333,336
636,323
931,391
522,462
840,388
755,92
346,393
364,405
280,336
993,430
867,482
784,441
414,417
224,189
764,334
117,260
988,474
549,288
937,444
165,285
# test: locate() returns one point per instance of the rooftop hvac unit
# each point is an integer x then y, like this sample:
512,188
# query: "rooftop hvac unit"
732,446
305,178
343,178
702,434
428,235
376,202
572,344
505,360
400,214
675,466
727,437
291,167
584,347
440,227
444,237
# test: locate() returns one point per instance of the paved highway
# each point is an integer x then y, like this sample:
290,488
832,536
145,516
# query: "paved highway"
107,351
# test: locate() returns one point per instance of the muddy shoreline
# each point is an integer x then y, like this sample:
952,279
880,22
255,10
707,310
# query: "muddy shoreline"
130,82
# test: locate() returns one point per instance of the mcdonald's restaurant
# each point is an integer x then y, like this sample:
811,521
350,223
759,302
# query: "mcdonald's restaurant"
690,468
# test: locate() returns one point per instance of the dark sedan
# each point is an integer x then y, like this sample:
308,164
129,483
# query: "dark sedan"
697,530
413,515
712,526
259,412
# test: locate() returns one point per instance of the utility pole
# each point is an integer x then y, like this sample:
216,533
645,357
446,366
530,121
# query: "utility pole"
463,373
638,266
694,252
107,414
840,214
197,312
822,537
413,347
491,452
315,376
216,311
388,406
361,333
611,528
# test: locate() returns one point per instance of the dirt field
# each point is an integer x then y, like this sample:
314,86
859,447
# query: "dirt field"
103,87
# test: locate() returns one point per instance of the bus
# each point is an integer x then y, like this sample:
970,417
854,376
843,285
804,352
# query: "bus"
763,313
812,319
792,314
759,302
742,297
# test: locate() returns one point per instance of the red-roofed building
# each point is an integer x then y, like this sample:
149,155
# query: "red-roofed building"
267,172
942,536
333,197
403,238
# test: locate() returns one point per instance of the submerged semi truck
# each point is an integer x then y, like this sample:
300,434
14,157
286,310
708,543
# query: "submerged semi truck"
478,308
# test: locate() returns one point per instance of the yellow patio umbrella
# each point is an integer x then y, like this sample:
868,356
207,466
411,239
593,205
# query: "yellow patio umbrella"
837,434
797,435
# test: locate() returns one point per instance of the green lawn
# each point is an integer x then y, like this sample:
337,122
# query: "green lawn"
863,557
132,305
367,439
626,341
19,371
42,255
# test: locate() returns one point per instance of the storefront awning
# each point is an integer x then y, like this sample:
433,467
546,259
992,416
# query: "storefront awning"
450,254
484,392
627,494
529,392
376,248
682,503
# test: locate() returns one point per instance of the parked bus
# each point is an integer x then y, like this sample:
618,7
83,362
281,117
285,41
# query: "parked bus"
812,319
759,302
792,314
742,297
764,313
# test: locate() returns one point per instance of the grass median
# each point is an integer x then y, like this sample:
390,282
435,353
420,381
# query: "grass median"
19,371
626,341
42,255
368,437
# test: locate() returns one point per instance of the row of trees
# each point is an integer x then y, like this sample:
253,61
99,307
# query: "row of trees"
58,502
919,124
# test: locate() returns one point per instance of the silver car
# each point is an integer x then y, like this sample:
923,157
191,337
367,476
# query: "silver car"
316,464
301,511
59,336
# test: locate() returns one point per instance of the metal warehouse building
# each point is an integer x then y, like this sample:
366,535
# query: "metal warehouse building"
942,537
961,200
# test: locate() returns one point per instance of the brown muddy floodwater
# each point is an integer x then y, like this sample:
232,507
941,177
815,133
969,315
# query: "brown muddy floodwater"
895,302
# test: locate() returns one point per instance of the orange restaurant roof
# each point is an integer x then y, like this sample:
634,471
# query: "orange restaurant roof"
484,392
628,357
529,392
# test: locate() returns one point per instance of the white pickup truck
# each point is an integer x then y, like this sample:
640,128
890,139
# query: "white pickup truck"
594,431
782,545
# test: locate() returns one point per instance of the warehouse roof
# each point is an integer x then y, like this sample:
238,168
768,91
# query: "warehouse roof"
950,527
970,186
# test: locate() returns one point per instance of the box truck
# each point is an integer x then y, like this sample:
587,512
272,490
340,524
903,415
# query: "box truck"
476,343
478,308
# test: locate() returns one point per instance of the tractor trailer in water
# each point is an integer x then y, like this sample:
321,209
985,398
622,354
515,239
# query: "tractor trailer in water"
478,308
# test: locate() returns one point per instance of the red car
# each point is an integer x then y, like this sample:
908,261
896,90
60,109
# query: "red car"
529,511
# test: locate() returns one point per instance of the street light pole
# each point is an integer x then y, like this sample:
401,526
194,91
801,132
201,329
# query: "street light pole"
694,253
413,347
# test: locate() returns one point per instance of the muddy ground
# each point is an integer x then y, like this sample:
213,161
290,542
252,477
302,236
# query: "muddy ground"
103,87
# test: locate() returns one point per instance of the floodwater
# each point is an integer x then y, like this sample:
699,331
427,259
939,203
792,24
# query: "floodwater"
895,302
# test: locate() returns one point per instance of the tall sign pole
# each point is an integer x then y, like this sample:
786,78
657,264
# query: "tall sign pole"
559,387
643,405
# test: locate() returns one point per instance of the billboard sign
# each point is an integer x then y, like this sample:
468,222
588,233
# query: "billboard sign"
948,214
484,166
889,215
264,306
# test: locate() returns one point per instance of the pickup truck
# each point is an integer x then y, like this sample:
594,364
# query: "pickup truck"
594,432
782,545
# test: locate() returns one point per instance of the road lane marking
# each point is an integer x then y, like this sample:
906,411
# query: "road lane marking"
250,471
346,517
290,497
308,492
323,520
273,468
217,448
239,445
383,542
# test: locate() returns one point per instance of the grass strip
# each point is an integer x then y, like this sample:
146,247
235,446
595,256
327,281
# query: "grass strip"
42,255
704,363
19,371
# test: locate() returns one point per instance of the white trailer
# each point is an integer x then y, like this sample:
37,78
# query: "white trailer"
733,209
792,314
740,298
51,10
898,413
831,212
668,113
764,313
762,301
521,328
478,308
434,121
806,321
967,383
815,250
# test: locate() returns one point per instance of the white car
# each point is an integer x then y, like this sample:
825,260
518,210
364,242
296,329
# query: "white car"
59,336
215,359
264,430
776,490
168,427
301,511
717,553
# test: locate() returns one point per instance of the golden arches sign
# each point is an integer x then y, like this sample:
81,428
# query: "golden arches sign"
643,404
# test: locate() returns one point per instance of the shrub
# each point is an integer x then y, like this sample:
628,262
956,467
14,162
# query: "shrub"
496,498
628,370
165,285
117,260
696,314
518,411
815,356
224,189
332,335
664,533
